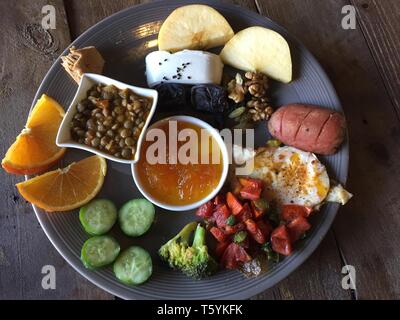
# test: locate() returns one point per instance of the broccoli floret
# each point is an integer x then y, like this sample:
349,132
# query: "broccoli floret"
192,259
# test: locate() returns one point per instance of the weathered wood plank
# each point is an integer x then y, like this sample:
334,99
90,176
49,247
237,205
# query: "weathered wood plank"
84,14
380,24
318,278
26,53
366,228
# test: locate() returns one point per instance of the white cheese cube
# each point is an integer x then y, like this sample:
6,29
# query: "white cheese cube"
186,67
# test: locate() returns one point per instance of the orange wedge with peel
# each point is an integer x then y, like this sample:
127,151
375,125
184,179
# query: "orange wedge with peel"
68,188
35,148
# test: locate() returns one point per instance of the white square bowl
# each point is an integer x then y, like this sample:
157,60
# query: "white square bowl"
64,138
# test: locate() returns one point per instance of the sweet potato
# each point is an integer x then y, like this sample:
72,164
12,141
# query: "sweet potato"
308,127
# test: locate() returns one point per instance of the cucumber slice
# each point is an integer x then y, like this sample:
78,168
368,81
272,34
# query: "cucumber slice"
136,216
133,266
99,251
98,216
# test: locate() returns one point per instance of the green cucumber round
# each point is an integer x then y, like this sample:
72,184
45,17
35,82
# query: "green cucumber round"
133,266
98,216
136,216
99,251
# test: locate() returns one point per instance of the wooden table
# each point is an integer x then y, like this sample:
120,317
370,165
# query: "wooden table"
364,65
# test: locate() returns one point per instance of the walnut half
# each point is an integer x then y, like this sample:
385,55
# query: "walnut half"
235,89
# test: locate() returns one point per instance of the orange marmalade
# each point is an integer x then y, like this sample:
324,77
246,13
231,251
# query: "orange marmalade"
176,182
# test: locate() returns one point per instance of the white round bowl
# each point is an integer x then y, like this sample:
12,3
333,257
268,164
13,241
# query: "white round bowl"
225,166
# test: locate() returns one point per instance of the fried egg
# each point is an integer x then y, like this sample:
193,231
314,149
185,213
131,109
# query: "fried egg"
291,176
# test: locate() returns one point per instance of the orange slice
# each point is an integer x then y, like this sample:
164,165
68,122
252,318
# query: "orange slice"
67,188
35,148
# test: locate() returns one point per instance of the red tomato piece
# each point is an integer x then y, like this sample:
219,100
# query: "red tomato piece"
220,248
280,241
221,213
206,210
250,182
246,213
233,256
265,227
218,234
298,227
293,211
250,193
233,203
254,231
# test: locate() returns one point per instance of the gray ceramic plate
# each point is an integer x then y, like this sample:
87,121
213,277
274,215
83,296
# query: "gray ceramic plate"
124,39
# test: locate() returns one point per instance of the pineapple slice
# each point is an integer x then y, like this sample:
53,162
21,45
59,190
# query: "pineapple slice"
194,27
259,49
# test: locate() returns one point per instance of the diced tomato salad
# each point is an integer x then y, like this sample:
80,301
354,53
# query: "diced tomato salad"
239,221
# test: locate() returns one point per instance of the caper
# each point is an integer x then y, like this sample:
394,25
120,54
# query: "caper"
104,141
90,134
124,102
88,140
129,141
126,153
107,122
136,132
137,105
141,125
101,128
120,118
95,142
90,124
117,154
109,146
128,124
121,143
125,133
118,110
78,116
110,133
99,116
115,126
81,107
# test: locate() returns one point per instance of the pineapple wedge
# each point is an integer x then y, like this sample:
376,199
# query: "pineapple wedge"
259,49
194,27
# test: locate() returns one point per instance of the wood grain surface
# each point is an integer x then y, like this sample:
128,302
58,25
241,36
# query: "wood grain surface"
364,66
